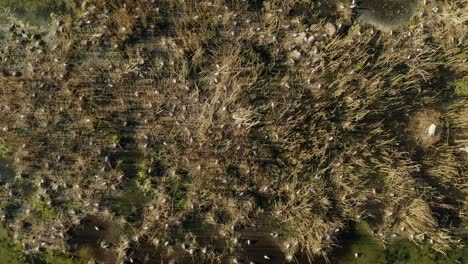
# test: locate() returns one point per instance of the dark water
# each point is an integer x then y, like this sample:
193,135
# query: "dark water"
85,236
6,171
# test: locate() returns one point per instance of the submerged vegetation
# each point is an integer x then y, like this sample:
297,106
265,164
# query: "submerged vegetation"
359,240
236,131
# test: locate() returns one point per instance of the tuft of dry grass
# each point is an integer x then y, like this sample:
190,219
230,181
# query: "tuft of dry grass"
224,113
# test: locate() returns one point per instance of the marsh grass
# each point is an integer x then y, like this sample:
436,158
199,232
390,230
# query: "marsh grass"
166,118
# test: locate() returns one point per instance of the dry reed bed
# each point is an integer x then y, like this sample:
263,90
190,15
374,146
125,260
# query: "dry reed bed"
237,113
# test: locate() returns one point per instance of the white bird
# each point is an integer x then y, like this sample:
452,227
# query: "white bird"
464,149
431,130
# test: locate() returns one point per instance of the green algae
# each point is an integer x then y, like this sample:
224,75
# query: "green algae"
45,211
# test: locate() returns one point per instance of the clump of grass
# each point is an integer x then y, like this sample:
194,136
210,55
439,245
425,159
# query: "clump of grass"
420,125
234,115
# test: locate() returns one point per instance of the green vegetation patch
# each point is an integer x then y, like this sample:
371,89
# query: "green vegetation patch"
12,253
398,251
404,251
129,203
34,10
44,210
114,138
461,87
4,150
9,251
56,257
178,188
148,172
143,180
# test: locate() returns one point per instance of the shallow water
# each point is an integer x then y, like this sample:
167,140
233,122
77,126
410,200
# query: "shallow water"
386,14
86,236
